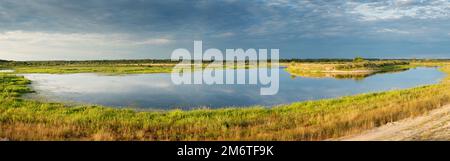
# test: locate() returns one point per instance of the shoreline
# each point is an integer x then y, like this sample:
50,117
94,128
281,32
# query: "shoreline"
35,97
308,120
349,70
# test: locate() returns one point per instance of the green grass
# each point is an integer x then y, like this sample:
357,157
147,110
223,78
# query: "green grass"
109,66
106,69
23,119
371,65
94,69
348,66
346,70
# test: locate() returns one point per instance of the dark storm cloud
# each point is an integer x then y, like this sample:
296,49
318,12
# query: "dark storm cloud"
397,28
125,16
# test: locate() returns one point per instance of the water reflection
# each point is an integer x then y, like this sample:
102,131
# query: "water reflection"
157,90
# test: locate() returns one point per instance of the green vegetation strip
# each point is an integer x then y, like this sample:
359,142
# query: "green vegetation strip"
112,67
359,69
23,119
364,66
94,69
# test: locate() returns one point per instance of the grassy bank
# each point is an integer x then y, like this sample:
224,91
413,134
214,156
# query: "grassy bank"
107,67
348,66
95,69
112,69
22,119
113,66
346,70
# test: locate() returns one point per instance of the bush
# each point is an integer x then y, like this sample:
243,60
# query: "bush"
358,59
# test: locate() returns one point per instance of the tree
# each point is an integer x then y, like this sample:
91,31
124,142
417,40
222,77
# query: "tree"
358,59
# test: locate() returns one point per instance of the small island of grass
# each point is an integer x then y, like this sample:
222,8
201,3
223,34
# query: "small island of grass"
357,69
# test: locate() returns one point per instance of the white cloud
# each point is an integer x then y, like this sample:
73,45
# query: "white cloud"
395,31
225,34
23,37
391,10
158,41
24,44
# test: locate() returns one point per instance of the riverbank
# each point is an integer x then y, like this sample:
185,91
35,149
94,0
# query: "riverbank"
112,67
22,119
346,70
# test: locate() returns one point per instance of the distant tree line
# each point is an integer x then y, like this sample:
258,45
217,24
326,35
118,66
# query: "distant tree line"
168,61
89,62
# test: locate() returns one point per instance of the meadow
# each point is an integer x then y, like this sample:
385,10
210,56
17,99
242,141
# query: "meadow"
357,69
111,68
24,119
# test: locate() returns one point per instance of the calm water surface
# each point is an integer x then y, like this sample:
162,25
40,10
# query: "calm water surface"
157,91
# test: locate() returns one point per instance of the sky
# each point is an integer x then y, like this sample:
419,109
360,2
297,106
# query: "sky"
152,29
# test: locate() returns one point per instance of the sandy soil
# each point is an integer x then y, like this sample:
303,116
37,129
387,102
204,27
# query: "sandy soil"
434,125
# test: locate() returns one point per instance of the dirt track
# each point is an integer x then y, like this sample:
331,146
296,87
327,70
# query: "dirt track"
434,125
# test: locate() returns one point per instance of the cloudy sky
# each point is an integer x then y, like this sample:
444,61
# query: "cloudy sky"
124,29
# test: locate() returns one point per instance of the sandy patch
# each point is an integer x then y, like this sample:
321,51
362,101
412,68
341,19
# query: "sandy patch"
435,125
